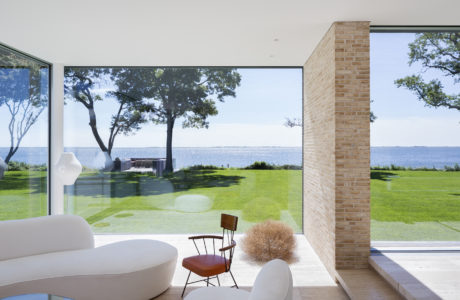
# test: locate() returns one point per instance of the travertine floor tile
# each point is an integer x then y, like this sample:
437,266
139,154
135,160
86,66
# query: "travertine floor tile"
366,285
311,279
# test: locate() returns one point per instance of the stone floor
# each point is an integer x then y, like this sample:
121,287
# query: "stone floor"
420,271
311,280
366,284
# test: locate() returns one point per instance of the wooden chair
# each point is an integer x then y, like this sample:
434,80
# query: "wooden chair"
211,264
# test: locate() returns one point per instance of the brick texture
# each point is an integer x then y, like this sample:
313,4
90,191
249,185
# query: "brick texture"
337,147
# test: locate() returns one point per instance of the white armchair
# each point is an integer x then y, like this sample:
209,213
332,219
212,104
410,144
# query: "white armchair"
274,282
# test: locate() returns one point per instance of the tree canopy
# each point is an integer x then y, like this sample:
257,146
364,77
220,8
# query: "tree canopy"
437,51
161,95
81,86
24,91
171,93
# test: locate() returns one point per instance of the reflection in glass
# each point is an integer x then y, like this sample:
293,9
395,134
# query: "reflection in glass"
24,96
164,147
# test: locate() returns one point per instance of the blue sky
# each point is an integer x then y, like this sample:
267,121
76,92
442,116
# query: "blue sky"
255,117
402,120
267,96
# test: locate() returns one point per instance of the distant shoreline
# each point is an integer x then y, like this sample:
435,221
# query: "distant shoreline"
413,157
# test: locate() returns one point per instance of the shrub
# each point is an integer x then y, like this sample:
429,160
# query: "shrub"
22,166
455,168
380,168
289,167
269,240
260,165
204,167
399,168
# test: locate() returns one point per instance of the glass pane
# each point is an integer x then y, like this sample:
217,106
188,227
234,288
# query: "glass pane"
24,96
415,139
167,150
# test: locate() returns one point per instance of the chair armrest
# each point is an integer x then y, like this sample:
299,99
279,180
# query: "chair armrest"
205,237
228,247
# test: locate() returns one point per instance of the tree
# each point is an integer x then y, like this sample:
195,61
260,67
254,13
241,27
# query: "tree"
184,93
24,91
435,51
293,122
80,85
372,116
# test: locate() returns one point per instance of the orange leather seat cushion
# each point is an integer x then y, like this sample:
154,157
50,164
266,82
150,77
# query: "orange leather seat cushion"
205,265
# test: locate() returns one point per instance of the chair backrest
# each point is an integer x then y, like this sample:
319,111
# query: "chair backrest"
229,225
19,238
228,222
274,282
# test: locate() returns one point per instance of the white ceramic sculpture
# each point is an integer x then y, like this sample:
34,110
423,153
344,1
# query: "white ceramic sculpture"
68,168
3,167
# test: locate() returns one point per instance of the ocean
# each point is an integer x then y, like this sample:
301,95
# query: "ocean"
415,157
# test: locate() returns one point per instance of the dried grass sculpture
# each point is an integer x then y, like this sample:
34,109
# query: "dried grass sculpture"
269,240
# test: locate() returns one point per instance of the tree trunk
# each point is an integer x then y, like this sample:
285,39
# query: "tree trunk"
169,133
10,154
108,162
108,165
113,131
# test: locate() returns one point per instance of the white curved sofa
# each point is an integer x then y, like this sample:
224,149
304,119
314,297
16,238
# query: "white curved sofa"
274,282
56,255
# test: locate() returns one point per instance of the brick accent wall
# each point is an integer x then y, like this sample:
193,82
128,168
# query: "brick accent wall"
337,147
319,148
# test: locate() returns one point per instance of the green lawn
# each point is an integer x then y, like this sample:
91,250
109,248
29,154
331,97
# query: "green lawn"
23,195
188,201
405,205
415,205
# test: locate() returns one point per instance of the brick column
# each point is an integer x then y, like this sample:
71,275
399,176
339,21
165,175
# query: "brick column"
337,147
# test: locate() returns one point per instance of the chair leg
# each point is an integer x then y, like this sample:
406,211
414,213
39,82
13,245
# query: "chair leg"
233,279
183,291
207,281
218,281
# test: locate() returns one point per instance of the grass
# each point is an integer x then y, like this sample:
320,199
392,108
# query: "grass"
187,201
23,195
405,205
415,205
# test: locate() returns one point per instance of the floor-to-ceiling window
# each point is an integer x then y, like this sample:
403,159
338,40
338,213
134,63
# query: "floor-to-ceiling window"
24,96
415,136
167,149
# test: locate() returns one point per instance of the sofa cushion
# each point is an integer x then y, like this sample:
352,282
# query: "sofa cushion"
20,238
116,258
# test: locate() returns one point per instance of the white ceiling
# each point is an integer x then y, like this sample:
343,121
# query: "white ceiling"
196,32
